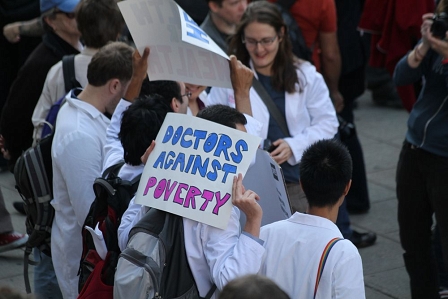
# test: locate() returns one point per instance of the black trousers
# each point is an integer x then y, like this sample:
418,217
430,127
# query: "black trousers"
422,191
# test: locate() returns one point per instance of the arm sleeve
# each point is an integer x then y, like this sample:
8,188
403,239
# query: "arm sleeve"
219,95
230,254
82,152
113,149
52,91
348,278
405,75
323,121
328,17
130,217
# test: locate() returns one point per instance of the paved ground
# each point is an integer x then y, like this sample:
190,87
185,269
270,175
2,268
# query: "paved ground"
381,131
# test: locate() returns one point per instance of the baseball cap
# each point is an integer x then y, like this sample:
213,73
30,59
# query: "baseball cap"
63,5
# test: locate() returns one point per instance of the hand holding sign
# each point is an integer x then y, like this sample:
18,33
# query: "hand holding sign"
246,201
241,77
139,68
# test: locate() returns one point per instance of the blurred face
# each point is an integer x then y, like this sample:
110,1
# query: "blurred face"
64,24
262,43
194,89
230,11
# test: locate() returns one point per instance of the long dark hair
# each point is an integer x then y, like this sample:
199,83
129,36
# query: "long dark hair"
284,75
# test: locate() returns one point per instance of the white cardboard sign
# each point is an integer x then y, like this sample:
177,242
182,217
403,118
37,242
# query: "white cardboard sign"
180,49
273,193
190,171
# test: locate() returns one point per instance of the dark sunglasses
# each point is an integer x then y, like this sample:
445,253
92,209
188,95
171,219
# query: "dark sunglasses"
70,15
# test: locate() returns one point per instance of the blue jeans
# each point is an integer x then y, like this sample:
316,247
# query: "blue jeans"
45,283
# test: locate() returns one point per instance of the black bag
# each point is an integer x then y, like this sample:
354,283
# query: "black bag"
112,197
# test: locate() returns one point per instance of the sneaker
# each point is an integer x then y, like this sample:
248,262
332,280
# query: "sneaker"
361,240
12,240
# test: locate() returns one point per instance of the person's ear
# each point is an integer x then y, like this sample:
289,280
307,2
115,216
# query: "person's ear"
175,105
114,86
281,34
49,22
347,188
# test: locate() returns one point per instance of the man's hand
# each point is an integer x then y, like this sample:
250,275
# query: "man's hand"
148,151
241,77
282,152
12,32
338,101
139,69
439,45
246,201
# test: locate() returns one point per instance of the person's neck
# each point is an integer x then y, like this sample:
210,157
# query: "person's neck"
266,71
71,39
94,96
223,26
331,213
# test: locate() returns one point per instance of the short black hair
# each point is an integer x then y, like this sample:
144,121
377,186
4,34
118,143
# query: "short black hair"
325,170
140,125
167,89
252,286
223,115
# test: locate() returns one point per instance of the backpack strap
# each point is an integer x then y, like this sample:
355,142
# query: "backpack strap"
323,260
113,170
273,110
68,70
210,292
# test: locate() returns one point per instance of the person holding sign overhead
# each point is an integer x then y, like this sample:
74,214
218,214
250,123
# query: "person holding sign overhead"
289,97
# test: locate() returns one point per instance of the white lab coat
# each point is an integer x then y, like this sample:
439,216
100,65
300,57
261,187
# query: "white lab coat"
293,251
77,154
310,114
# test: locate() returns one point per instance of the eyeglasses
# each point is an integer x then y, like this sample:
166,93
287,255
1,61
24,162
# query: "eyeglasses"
70,15
265,42
187,94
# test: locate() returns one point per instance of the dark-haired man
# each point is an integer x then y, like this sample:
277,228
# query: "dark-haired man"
77,155
222,19
298,243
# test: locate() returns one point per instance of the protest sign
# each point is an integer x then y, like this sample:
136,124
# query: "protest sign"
180,49
190,171
265,178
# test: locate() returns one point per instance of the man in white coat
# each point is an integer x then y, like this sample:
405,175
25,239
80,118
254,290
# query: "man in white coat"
77,154
299,254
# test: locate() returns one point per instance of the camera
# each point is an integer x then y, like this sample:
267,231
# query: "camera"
439,26
268,146
346,129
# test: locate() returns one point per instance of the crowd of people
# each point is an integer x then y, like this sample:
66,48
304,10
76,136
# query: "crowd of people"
296,106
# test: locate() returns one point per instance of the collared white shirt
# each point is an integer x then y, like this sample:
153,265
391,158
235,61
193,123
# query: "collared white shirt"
54,88
310,114
77,155
293,251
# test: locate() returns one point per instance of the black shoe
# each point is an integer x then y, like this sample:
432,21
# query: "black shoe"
19,206
361,240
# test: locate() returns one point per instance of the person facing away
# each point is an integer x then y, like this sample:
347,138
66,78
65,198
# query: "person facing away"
77,155
96,32
298,91
252,287
294,247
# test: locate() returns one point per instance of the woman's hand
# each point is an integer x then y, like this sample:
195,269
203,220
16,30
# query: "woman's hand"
425,28
282,152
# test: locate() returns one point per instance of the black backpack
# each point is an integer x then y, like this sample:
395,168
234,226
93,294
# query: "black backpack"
154,263
112,197
33,175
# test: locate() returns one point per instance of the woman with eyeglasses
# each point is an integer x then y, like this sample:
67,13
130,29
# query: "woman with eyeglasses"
298,91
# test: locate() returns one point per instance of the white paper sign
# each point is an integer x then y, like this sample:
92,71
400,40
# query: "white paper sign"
273,194
190,171
180,49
